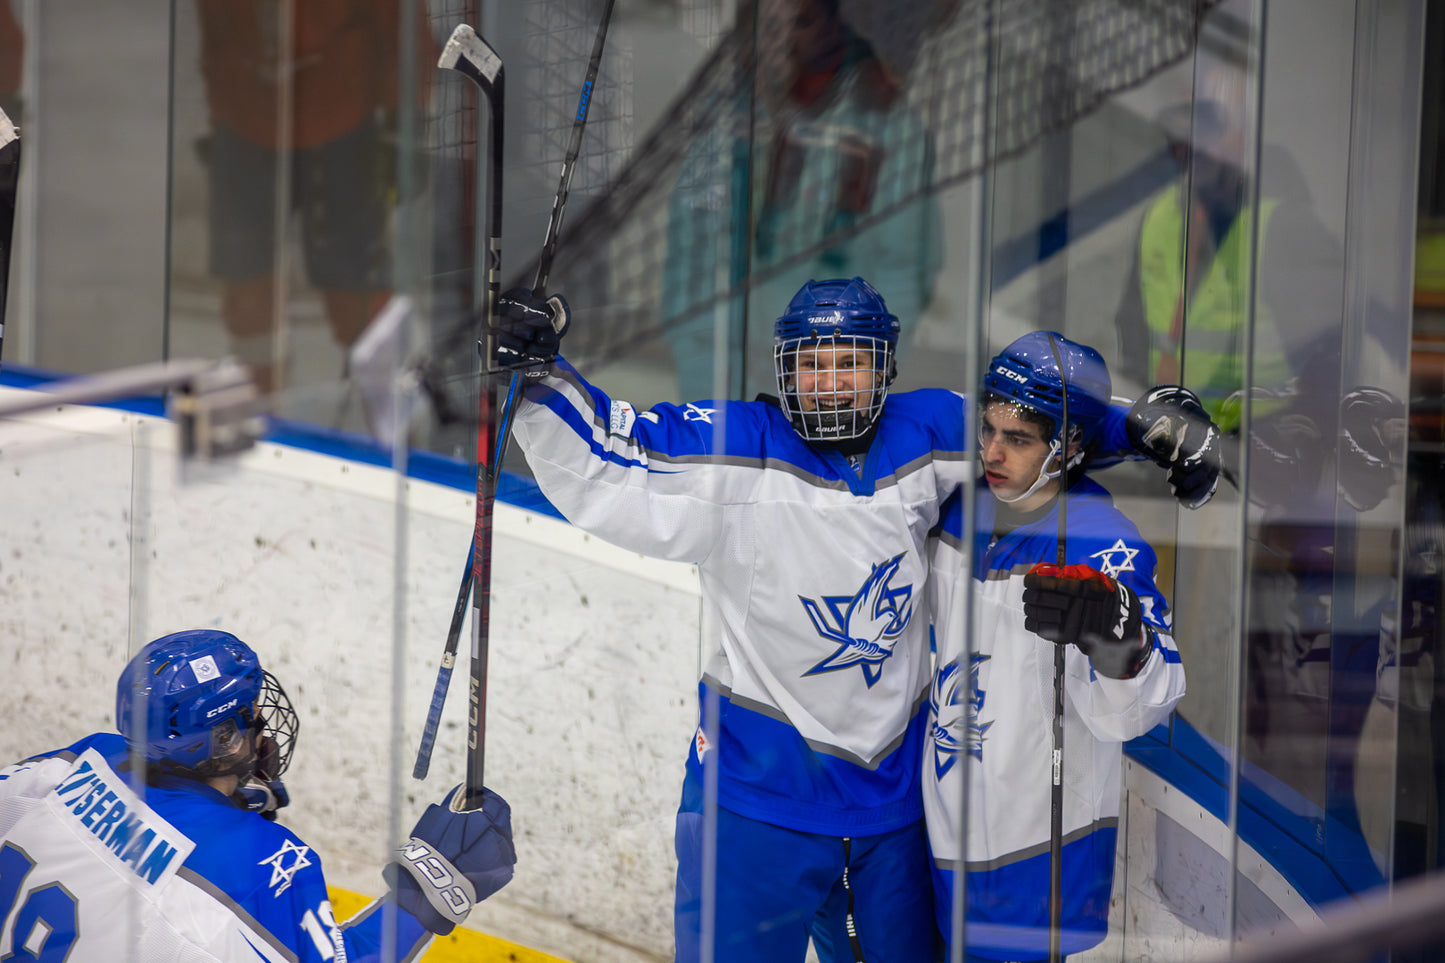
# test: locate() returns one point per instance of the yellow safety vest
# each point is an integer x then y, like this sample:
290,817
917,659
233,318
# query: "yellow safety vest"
1213,324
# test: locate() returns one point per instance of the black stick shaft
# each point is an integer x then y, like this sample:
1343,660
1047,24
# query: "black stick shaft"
569,162
486,476
468,54
1056,789
559,208
444,674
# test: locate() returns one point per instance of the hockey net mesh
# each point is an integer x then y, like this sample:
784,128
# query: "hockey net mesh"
650,244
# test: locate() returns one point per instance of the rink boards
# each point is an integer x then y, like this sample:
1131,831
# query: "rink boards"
343,574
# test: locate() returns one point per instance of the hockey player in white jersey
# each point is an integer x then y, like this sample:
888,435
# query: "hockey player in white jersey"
990,732
158,844
807,515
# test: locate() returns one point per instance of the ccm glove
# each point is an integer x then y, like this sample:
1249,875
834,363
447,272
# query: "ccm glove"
1170,426
529,331
1083,606
263,797
453,861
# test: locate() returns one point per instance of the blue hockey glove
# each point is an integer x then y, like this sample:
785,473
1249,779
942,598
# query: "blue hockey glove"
1170,426
1080,605
264,797
453,861
529,331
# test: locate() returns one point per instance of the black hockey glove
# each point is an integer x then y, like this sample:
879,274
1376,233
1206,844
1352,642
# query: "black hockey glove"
453,861
1372,442
1083,606
529,331
1170,426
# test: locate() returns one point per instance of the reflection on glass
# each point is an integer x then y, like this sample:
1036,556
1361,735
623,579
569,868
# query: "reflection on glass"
783,188
302,99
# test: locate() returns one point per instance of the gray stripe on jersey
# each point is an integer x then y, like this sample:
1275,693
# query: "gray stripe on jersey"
224,898
822,748
1040,849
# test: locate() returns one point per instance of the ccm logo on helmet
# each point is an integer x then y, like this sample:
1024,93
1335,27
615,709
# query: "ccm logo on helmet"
1011,375
220,709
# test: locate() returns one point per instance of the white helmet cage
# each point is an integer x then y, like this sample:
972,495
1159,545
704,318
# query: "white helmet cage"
832,389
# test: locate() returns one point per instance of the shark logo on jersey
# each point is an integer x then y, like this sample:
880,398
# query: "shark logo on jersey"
865,624
1109,566
281,871
952,711
694,413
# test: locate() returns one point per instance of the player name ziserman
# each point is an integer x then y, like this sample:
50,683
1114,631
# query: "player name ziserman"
117,821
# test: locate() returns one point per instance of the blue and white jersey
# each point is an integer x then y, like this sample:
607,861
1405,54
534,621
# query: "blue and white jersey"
812,570
89,870
991,711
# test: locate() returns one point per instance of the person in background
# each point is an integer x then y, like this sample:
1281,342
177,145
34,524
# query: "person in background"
303,112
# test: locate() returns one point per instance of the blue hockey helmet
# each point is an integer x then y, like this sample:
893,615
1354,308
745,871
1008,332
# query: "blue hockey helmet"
826,324
190,698
1027,373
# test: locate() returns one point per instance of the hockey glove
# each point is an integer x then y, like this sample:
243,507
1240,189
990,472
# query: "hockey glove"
263,797
1372,441
1083,606
529,331
1170,426
453,861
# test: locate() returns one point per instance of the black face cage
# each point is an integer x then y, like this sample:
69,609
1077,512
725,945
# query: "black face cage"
278,725
839,395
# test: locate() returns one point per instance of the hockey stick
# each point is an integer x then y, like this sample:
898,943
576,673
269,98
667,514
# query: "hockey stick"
469,55
559,206
9,188
1056,790
503,430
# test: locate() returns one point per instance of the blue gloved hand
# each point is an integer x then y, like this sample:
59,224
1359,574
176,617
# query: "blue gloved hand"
529,331
263,796
453,861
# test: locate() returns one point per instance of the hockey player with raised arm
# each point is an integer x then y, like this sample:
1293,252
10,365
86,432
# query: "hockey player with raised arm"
990,732
807,515
159,842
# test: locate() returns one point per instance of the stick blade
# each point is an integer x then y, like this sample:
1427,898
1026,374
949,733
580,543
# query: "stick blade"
9,133
469,54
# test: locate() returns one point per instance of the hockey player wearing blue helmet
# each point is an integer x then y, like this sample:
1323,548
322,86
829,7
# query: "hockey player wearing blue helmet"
807,515
990,735
160,841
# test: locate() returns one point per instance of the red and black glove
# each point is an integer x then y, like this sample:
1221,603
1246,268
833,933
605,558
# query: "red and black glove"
1080,605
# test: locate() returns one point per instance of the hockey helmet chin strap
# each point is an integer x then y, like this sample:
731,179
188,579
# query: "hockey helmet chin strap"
1046,476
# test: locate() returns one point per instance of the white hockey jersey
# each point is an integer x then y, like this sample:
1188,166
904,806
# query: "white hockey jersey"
813,571
89,870
991,710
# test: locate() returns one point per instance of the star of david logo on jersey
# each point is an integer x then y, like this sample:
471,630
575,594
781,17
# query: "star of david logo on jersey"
955,715
865,624
694,413
281,871
1109,566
